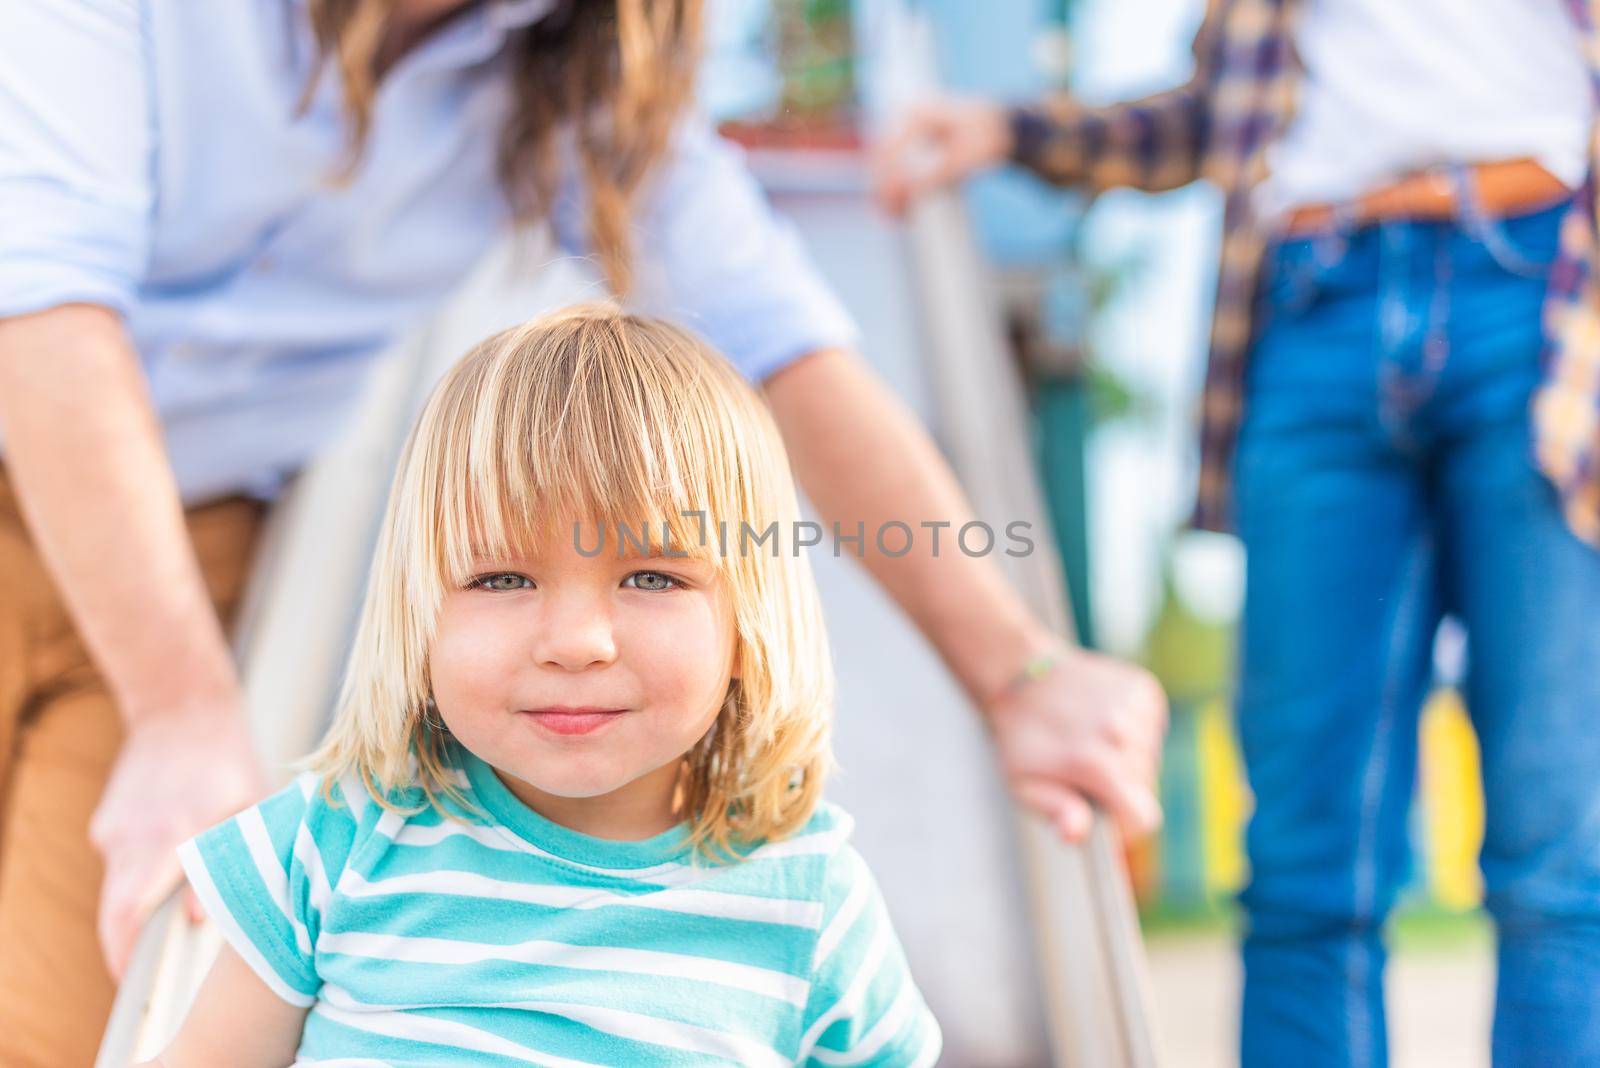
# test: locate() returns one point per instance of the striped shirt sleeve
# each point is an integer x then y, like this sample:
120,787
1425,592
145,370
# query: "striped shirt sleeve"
864,1007
266,875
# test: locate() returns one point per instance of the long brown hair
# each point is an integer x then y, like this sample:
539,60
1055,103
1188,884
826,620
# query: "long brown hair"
622,71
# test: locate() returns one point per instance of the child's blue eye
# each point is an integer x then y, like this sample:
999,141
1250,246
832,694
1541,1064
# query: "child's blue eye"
671,582
486,582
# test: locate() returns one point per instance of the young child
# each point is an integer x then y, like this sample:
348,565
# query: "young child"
568,812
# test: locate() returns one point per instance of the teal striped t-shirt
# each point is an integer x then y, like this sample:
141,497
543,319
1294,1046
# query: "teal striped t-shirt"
504,938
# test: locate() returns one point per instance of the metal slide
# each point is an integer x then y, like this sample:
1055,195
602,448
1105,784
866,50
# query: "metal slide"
1089,952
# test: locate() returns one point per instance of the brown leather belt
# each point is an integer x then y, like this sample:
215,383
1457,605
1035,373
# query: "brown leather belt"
1509,187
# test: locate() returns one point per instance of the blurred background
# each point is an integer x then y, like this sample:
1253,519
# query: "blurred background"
1105,307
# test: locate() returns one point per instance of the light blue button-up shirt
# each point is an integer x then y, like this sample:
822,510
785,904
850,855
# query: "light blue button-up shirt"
151,161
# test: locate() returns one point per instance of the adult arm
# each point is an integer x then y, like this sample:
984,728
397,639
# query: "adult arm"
713,255
83,447
84,453
1090,730
1154,143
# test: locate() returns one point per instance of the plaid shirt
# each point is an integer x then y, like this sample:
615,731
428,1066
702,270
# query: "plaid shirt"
1217,126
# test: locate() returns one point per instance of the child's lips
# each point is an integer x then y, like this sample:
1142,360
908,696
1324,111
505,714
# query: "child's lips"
563,720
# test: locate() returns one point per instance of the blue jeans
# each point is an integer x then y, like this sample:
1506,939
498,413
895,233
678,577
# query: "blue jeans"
1384,478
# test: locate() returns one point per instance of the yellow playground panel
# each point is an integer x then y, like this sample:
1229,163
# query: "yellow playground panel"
1449,816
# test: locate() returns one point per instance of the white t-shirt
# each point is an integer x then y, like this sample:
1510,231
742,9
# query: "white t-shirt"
1392,86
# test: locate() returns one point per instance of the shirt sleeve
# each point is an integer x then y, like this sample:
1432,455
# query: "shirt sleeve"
266,878
864,1007
1154,143
711,255
75,153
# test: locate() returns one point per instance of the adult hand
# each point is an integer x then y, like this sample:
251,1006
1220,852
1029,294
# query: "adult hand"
934,144
1089,731
177,774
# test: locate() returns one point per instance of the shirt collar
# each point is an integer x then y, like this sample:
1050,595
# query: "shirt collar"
645,855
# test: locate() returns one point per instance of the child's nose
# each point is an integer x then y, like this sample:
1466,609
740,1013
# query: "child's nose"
576,633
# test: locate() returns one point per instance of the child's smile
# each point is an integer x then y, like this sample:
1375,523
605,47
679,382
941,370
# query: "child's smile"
573,720
584,678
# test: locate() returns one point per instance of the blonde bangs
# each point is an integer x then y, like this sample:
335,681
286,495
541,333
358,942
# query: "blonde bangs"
570,422
641,434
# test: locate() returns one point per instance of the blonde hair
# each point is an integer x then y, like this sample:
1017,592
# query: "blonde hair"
590,412
622,72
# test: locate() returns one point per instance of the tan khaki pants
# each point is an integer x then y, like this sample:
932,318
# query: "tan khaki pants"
59,732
